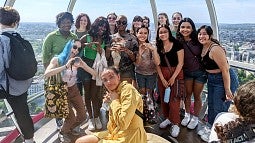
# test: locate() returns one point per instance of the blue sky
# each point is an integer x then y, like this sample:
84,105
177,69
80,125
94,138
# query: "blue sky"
228,11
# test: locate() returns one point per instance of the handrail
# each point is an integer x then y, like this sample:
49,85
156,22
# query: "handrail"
242,65
35,96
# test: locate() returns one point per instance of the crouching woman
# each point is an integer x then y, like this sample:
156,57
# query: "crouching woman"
124,125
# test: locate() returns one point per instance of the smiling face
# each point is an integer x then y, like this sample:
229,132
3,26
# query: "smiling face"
65,25
162,19
83,21
142,34
163,34
186,29
203,37
76,48
110,79
121,23
112,19
137,24
176,18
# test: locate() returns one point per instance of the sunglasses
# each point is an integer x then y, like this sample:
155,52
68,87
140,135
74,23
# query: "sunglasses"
121,22
113,18
75,47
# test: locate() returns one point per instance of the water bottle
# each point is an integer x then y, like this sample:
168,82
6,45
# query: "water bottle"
167,95
149,102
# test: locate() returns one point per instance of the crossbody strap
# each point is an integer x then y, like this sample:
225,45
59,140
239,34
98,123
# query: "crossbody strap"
168,64
140,114
190,50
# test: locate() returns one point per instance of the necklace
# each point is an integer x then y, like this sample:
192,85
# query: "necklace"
168,47
205,50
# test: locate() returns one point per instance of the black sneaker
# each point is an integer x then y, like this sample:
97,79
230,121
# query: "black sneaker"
59,122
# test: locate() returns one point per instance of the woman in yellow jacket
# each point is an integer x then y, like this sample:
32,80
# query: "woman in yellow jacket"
124,125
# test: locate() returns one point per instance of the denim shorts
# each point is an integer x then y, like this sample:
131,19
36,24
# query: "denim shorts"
198,75
146,81
216,93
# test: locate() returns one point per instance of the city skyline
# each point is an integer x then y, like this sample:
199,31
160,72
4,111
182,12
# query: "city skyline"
228,11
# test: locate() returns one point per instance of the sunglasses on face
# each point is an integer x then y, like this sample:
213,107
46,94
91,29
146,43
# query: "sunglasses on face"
113,18
75,47
121,22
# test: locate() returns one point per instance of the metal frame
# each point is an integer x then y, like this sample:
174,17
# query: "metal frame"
213,18
71,5
9,2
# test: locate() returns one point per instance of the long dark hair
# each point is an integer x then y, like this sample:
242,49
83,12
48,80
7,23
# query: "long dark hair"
159,42
143,26
100,21
193,34
209,31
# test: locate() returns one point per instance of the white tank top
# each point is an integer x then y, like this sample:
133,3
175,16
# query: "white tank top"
70,76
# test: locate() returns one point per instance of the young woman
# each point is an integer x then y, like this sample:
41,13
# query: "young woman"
239,124
95,41
124,124
136,23
146,61
195,75
170,75
222,80
176,18
64,63
163,19
82,25
112,23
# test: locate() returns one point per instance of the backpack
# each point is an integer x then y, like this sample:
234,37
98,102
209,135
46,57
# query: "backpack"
23,64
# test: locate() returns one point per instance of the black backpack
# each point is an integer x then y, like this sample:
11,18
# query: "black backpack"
23,64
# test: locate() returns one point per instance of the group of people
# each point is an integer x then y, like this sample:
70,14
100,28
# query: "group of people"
129,65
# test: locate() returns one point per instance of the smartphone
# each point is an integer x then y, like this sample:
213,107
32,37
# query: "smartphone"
76,60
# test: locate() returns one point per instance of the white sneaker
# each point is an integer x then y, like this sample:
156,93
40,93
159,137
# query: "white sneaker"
203,130
193,123
205,136
91,126
98,123
175,131
186,119
164,124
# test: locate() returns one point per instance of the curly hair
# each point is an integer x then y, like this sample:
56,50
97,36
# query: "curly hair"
100,21
9,15
64,15
78,18
245,107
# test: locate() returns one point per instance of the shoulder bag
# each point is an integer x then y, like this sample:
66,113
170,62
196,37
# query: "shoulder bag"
56,104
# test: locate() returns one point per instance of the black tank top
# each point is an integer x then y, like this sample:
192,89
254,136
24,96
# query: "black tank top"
207,62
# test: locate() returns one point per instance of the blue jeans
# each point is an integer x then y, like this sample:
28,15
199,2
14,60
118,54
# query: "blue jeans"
216,94
146,81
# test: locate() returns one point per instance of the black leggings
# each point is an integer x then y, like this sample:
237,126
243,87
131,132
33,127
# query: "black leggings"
21,112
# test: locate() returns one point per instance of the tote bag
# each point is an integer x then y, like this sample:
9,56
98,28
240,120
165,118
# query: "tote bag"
56,104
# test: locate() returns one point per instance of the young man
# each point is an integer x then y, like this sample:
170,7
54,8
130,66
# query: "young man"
53,45
17,95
